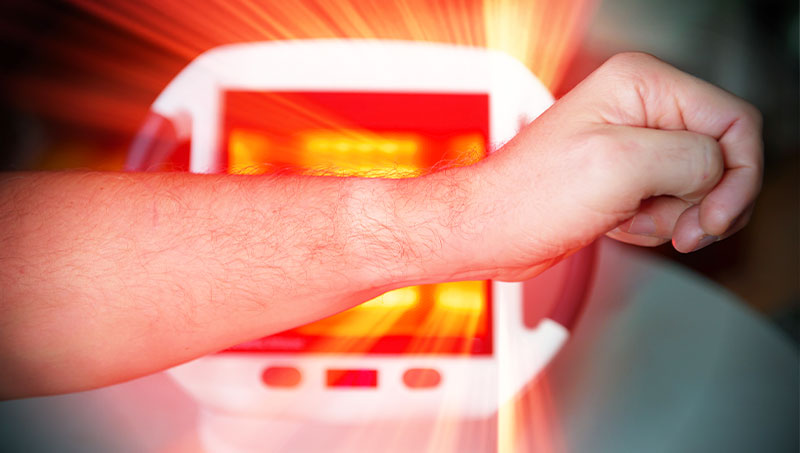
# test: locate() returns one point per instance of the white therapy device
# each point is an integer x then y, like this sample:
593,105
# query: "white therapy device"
367,109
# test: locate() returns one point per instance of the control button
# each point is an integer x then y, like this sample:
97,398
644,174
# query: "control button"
352,378
281,376
421,378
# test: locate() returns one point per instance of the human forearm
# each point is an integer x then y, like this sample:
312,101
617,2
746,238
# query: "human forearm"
114,275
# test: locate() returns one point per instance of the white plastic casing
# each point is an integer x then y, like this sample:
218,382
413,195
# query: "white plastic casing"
471,385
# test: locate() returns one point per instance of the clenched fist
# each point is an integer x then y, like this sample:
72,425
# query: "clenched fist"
639,151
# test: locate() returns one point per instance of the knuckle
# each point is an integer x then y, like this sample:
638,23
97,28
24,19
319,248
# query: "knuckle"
605,161
601,148
636,77
752,114
630,62
708,144
716,161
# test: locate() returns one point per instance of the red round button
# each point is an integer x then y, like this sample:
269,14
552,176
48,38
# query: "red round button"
420,378
281,376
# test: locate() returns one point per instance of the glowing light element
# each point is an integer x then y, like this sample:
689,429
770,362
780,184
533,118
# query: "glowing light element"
350,153
542,34
426,313
403,298
353,143
356,329
461,296
248,152
388,135
468,149
362,153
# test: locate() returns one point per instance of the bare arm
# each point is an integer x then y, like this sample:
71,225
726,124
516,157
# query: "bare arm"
109,276
106,277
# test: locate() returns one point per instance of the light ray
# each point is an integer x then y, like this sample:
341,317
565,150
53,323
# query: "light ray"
543,34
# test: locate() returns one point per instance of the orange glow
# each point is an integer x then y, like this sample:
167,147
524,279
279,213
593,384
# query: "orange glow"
460,296
345,152
362,153
390,135
403,298
115,78
247,152
456,309
467,149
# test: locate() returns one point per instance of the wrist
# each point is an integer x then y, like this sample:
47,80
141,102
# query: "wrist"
416,231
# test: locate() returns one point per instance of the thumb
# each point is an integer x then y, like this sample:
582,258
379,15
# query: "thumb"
655,162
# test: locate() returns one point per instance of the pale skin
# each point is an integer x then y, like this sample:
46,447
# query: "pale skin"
110,276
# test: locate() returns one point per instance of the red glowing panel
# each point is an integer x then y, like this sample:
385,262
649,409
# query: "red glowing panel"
386,135
353,134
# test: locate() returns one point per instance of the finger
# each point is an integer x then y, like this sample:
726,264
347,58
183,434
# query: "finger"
635,239
730,199
688,235
656,217
653,224
678,163
743,152
738,223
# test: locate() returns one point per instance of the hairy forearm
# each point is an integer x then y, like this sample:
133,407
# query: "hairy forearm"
108,276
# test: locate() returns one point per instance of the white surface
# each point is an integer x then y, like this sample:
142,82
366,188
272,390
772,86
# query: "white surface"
666,361
661,361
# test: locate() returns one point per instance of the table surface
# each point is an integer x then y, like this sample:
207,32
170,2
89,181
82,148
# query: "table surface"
661,360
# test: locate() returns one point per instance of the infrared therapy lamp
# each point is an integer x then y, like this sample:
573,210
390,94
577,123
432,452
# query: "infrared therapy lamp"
367,109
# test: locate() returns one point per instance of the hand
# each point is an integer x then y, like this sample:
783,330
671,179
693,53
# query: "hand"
639,151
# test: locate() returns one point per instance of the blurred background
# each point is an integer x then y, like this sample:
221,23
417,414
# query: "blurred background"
78,77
